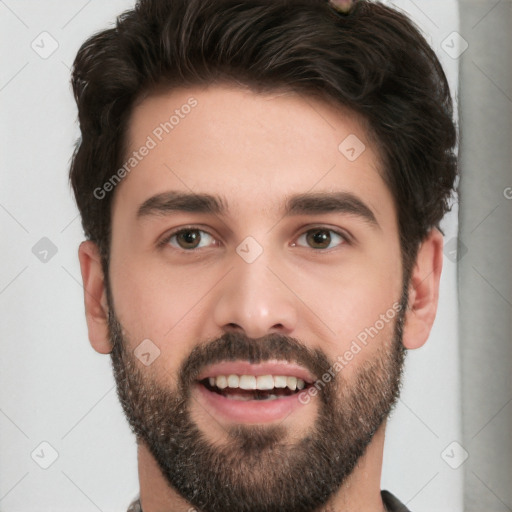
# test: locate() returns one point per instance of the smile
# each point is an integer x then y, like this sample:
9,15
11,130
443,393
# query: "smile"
251,387
242,392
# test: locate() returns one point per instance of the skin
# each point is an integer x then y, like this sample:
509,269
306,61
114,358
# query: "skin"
255,150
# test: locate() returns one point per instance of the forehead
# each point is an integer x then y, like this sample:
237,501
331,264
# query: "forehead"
250,149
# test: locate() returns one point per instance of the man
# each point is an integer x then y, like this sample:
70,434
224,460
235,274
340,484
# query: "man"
261,184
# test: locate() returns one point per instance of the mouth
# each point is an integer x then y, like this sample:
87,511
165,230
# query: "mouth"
243,392
251,387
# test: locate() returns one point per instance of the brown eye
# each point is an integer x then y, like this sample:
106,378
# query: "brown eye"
190,239
320,238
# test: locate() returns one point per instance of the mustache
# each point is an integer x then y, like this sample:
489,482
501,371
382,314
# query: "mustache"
233,346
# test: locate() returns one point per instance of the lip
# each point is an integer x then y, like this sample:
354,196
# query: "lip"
250,412
267,368
231,411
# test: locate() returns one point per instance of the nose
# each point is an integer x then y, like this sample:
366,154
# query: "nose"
254,298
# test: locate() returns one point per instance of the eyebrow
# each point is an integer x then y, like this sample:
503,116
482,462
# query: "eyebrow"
330,202
169,202
300,204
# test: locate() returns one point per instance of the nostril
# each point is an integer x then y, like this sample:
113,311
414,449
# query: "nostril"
234,327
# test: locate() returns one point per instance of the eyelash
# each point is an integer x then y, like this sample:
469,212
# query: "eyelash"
346,239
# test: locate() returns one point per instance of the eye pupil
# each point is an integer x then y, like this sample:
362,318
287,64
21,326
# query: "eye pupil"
319,238
189,239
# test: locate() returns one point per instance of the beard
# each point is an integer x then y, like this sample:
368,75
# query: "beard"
259,468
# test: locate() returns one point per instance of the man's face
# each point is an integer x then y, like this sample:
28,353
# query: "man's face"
290,270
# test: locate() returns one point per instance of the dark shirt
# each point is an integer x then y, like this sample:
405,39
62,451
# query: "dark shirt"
390,502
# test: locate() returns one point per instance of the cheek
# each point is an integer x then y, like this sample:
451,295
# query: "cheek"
359,305
155,305
168,305
366,329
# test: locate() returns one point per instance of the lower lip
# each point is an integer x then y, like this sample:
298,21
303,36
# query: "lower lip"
250,411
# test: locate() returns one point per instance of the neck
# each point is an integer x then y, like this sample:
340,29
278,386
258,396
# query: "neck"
361,490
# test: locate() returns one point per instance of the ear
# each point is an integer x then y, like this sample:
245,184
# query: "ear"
95,297
424,291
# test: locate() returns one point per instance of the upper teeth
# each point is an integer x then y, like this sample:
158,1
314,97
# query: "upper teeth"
261,382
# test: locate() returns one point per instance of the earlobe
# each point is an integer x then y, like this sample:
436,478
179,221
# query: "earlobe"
95,297
424,291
